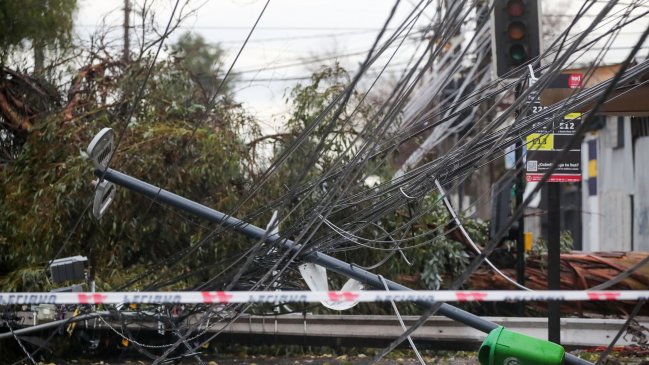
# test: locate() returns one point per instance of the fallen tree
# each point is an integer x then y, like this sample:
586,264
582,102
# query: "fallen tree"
579,271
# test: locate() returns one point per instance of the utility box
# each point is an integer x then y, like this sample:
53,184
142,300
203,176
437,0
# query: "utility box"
68,269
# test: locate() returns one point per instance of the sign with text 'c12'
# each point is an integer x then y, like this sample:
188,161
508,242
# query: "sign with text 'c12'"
550,139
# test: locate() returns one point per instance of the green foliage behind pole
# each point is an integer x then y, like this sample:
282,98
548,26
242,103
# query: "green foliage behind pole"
46,189
203,62
434,257
181,142
45,21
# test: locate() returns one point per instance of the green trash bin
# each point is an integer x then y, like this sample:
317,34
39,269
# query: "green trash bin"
505,347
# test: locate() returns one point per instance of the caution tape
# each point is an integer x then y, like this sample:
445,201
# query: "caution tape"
275,297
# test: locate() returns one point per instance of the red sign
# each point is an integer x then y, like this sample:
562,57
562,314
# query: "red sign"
574,81
554,177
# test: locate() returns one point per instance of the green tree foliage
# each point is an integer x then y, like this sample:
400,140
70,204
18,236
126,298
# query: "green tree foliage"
431,253
46,189
181,142
308,103
203,62
43,21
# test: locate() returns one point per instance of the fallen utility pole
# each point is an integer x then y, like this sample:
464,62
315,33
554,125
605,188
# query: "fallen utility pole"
328,262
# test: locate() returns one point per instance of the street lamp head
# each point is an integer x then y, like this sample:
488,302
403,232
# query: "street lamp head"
101,148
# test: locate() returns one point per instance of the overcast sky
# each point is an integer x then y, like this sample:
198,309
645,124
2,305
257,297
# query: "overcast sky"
289,32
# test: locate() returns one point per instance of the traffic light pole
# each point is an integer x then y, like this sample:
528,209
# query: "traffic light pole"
520,233
554,259
328,262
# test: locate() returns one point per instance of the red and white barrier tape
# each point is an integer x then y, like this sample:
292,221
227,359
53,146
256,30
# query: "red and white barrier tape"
210,297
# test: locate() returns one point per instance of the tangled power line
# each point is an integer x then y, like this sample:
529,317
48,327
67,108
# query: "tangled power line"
428,102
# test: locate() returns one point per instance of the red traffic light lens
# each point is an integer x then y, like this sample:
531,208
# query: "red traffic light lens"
516,30
515,7
517,54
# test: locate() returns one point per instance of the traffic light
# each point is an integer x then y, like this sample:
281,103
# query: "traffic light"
515,34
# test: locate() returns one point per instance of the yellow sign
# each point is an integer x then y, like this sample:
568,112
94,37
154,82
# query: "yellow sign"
527,241
540,142
592,168
572,116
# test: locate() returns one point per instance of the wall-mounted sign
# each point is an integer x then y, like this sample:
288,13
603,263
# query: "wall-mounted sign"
549,139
